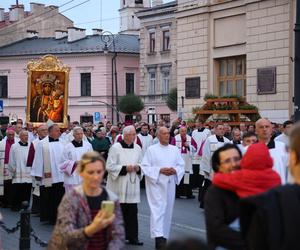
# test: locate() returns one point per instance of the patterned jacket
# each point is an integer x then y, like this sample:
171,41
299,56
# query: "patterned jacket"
74,215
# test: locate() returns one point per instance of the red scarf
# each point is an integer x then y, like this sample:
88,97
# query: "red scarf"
256,174
8,145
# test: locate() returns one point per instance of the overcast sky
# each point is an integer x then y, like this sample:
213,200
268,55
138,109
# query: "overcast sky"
87,15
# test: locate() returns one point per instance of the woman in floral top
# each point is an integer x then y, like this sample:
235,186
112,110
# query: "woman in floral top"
80,222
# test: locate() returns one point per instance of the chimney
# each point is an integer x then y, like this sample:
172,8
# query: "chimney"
60,34
97,32
156,2
75,34
2,15
16,12
36,7
32,34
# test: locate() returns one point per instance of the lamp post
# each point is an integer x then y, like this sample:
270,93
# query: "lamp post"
109,39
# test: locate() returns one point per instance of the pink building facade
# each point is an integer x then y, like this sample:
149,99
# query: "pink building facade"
90,83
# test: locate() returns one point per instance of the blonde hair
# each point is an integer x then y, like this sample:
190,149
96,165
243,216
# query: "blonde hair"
88,158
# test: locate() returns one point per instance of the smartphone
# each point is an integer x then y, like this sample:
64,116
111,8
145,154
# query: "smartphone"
108,206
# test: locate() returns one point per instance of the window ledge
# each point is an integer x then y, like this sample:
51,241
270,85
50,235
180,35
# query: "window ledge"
165,51
151,53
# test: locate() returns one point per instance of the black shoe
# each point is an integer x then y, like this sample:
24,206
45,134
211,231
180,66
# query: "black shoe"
160,243
135,242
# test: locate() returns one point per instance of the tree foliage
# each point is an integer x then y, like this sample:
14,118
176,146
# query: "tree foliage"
172,99
130,104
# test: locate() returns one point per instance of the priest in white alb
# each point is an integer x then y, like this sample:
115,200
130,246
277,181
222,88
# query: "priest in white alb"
71,155
124,175
5,176
21,179
42,132
186,147
163,168
45,167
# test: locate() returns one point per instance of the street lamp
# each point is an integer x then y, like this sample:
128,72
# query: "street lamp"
109,39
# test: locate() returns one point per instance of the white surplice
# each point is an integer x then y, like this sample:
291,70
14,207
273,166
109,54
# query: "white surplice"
127,187
210,146
17,164
70,156
160,189
55,150
199,137
146,141
280,160
186,156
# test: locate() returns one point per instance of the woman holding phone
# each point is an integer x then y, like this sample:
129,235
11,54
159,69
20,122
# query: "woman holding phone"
81,224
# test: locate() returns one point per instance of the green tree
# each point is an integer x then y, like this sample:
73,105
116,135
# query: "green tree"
172,99
130,104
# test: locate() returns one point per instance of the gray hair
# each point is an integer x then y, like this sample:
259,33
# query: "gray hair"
23,131
77,128
127,129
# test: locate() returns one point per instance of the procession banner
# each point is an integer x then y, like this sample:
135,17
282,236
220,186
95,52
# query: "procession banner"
47,89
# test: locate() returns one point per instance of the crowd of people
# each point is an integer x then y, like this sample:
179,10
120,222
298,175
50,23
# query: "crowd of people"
68,174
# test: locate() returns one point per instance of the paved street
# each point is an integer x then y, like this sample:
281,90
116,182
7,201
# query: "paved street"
188,221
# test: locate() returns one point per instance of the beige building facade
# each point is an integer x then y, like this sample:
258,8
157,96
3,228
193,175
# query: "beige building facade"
237,47
158,54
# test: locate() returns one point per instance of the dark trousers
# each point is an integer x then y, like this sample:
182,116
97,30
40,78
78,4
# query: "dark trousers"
184,189
35,208
20,192
195,179
6,199
202,191
50,198
130,211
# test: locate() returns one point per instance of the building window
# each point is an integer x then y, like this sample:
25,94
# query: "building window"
165,81
152,80
152,42
85,84
3,86
231,78
166,40
139,1
129,83
192,87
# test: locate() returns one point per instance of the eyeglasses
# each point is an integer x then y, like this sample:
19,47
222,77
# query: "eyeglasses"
230,160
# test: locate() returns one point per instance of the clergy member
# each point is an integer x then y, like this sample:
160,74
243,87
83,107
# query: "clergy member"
124,175
163,168
211,144
5,176
21,179
71,155
45,167
145,138
186,147
42,132
277,149
199,135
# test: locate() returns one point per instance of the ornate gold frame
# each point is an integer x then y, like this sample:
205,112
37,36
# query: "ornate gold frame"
47,65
